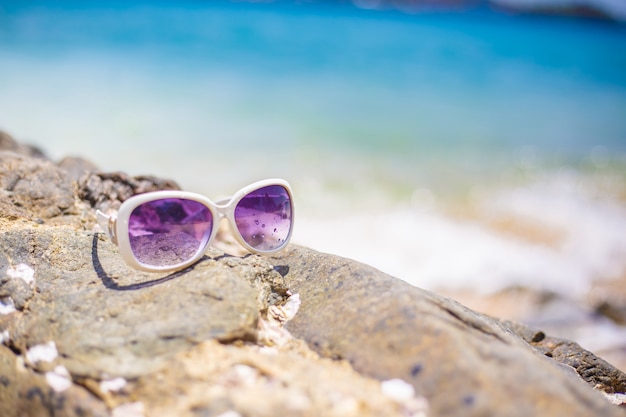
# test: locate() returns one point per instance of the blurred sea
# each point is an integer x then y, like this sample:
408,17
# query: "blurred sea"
454,150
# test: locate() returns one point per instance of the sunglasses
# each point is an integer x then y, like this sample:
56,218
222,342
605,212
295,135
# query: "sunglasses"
170,230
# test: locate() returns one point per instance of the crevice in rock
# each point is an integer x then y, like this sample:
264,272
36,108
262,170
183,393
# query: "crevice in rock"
474,324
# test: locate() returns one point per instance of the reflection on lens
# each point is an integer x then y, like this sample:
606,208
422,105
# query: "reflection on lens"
263,218
169,231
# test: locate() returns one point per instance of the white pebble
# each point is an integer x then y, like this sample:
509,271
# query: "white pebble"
397,389
4,337
244,375
7,306
230,413
112,385
23,272
42,353
135,409
345,406
59,379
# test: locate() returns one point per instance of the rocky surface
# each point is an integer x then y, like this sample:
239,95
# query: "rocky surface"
595,320
299,334
453,356
595,371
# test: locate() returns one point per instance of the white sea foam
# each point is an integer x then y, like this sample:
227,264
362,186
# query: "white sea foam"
433,250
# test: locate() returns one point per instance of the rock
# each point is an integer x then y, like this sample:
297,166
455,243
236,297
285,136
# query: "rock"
7,143
595,319
81,333
614,311
110,320
24,392
107,191
609,299
595,371
77,167
255,381
34,188
454,357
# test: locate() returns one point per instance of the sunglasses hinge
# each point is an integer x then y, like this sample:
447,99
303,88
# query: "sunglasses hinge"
111,229
107,223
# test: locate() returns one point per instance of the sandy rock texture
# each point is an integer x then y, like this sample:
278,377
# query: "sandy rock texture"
299,334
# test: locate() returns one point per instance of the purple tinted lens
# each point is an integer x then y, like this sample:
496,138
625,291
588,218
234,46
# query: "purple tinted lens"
169,231
263,217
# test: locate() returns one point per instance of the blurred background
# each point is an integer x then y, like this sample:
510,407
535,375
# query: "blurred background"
474,148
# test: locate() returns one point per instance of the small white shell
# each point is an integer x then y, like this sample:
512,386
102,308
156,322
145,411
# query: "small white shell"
230,413
42,353
286,312
135,409
7,306
397,389
23,272
403,393
272,334
112,385
4,337
243,375
59,379
291,307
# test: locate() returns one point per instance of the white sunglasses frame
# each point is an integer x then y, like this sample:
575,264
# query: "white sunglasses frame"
116,226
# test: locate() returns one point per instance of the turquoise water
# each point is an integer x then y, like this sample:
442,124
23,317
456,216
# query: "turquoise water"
338,76
387,124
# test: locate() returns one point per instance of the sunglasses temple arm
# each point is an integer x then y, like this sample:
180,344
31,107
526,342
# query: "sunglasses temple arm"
107,224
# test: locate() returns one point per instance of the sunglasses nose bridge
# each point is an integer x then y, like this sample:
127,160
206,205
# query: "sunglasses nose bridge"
223,209
224,202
